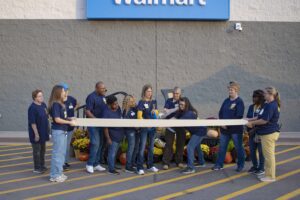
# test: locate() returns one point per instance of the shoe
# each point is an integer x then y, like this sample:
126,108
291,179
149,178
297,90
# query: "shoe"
252,170
259,172
117,167
188,171
64,176
181,165
44,169
199,165
153,169
38,171
67,165
90,169
65,168
58,179
130,170
99,168
114,172
140,172
239,169
267,179
165,167
217,168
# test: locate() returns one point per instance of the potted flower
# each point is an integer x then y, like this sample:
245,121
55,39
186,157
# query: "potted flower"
81,148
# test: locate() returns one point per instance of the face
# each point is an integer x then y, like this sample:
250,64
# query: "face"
148,93
132,102
63,94
232,92
114,106
182,105
66,94
176,95
101,89
39,97
255,99
268,96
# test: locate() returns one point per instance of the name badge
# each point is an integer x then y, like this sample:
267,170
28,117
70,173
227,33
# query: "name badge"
261,112
65,114
132,113
232,106
146,105
104,100
71,106
176,105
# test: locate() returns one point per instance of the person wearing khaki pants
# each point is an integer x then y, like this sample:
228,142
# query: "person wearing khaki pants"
268,131
268,148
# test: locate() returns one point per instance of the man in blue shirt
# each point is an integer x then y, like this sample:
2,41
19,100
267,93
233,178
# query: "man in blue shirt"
71,105
95,106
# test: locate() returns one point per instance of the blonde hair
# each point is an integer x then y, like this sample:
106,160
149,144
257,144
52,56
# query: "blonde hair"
126,103
235,85
145,88
56,96
273,91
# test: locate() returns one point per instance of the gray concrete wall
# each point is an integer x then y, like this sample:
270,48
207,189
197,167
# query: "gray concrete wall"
201,57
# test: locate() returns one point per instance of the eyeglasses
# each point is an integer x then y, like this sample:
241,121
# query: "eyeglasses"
181,104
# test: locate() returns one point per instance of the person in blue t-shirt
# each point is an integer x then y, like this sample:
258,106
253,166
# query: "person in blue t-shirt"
95,106
38,128
232,108
187,111
254,142
268,130
71,105
171,107
130,112
146,109
113,135
60,123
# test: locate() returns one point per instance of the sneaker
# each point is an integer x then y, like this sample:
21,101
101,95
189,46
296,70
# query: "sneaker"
165,167
239,169
140,172
217,168
188,171
114,172
67,165
58,179
64,176
259,172
130,170
118,167
37,171
90,169
44,169
252,170
66,168
199,165
99,168
181,165
267,179
153,169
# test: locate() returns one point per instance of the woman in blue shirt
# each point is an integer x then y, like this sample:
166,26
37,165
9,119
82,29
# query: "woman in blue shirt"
187,111
146,109
113,135
254,142
232,108
58,113
130,112
38,128
268,131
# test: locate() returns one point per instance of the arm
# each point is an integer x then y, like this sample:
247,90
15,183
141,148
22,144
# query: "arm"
89,106
36,133
258,122
62,121
89,114
106,133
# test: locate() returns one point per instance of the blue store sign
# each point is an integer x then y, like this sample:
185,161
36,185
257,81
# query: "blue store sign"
159,9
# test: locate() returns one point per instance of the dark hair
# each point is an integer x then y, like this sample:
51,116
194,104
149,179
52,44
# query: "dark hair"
35,93
188,105
260,95
111,99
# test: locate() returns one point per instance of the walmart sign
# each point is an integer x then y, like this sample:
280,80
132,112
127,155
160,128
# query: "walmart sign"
158,9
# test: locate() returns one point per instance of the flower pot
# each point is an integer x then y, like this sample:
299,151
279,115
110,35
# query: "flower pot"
83,156
77,152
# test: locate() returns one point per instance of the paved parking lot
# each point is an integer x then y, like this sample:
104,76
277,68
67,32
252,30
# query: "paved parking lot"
18,182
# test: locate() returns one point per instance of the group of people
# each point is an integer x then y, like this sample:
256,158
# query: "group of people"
262,127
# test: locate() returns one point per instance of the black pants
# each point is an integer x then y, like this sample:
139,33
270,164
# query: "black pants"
39,150
180,142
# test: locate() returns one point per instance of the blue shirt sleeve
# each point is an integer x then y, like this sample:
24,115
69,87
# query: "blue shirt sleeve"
31,115
167,104
89,103
240,109
56,110
221,111
267,113
250,112
140,106
154,102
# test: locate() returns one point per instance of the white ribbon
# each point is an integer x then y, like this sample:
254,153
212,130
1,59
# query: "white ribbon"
95,122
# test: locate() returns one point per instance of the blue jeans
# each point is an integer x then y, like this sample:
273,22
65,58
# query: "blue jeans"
59,139
150,134
194,143
69,138
96,142
238,144
253,147
131,144
136,148
111,158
